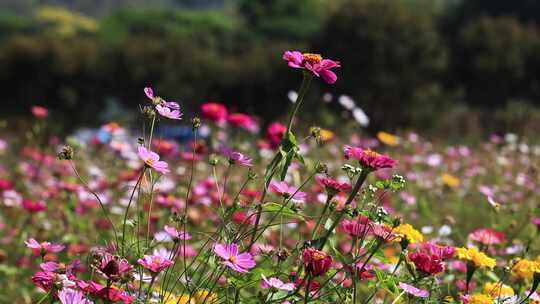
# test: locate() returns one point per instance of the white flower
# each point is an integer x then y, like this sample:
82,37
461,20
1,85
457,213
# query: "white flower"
360,117
347,102
292,95
445,230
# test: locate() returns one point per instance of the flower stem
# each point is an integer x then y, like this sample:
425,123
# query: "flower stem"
306,81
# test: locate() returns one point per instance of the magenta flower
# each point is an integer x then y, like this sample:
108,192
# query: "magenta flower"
276,283
44,279
40,112
43,247
175,234
487,236
154,263
314,63
429,258
536,221
331,185
283,189
243,121
239,262
214,111
71,296
33,206
369,159
236,157
151,159
113,267
417,292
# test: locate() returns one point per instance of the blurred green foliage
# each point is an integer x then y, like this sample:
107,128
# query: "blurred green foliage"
406,62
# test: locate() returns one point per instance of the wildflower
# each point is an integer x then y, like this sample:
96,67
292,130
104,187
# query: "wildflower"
316,262
175,234
154,263
34,206
215,112
369,159
479,299
40,112
388,139
243,121
496,290
242,262
525,269
314,63
276,283
236,157
429,258
326,135
168,109
477,258
410,234
43,247
169,112
44,279
151,159
283,189
487,236
536,222
450,180
112,267
332,186
71,296
275,132
421,293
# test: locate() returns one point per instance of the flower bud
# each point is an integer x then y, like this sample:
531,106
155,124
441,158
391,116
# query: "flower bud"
195,123
66,153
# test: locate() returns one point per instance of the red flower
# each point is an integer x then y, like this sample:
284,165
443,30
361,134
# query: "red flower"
316,262
430,257
331,185
487,236
214,111
275,132
243,121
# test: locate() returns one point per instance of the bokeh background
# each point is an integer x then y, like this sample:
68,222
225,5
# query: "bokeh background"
453,68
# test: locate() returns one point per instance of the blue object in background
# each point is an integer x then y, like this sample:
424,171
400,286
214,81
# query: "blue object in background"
178,133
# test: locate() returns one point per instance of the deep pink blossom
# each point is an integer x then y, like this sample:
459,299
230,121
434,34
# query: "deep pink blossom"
112,267
33,206
275,132
44,279
429,258
43,247
243,121
242,262
417,292
154,263
331,185
316,262
214,111
283,189
369,159
151,159
314,63
40,112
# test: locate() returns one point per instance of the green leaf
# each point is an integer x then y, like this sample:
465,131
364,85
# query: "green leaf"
273,207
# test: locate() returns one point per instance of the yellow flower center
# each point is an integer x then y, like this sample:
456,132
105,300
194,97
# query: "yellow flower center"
232,259
318,255
312,58
371,153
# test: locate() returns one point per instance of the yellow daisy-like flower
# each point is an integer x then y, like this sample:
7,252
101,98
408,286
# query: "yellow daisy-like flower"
203,296
181,299
480,299
326,135
407,231
496,290
388,139
479,259
525,269
450,180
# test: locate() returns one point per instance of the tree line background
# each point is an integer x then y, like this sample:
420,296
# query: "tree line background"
441,65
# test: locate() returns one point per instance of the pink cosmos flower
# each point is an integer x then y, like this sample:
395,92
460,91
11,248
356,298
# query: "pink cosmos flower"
236,157
40,112
536,221
113,267
358,228
214,111
44,247
314,63
243,121
152,160
275,132
44,279
175,234
71,296
421,293
154,263
276,283
487,236
316,262
331,185
168,112
369,159
283,189
239,262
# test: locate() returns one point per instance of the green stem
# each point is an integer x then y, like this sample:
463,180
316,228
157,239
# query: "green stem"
306,81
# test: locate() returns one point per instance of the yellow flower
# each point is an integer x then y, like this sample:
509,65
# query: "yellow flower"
479,259
480,299
525,269
450,180
203,296
327,135
412,235
181,299
388,139
496,290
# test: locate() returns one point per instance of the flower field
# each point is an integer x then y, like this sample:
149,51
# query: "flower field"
238,213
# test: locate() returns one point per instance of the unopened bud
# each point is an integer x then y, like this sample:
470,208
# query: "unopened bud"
66,153
195,123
